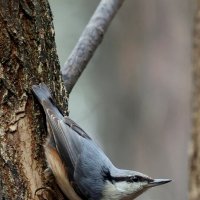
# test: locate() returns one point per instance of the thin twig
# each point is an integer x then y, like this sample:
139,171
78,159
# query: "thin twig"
89,41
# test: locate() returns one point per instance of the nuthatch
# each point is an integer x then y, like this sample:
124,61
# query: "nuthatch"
80,167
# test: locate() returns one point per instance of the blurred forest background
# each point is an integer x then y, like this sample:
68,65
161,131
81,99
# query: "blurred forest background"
134,96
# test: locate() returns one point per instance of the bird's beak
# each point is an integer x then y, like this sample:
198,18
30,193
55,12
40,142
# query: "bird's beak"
156,182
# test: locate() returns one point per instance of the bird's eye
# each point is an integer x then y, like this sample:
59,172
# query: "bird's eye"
134,179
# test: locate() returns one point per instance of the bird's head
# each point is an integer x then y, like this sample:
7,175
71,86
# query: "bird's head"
127,185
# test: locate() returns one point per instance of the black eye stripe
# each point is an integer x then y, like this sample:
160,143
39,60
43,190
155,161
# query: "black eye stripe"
128,179
131,179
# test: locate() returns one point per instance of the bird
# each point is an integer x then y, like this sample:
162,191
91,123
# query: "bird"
80,167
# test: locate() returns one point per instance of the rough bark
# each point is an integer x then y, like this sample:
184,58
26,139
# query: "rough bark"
194,193
27,56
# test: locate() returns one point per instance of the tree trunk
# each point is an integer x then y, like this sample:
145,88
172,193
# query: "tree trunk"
27,56
194,184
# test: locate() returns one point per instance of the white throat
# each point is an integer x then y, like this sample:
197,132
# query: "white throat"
121,191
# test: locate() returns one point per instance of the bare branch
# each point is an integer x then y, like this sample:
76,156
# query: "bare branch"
89,41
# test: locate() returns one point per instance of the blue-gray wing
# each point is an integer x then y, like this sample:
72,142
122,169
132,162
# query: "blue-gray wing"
68,141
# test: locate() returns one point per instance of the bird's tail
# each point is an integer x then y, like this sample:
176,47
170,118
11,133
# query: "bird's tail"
41,91
44,96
